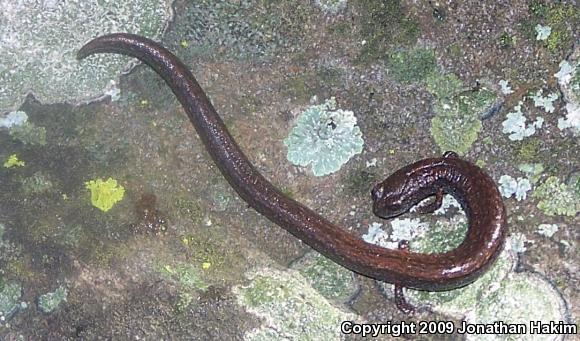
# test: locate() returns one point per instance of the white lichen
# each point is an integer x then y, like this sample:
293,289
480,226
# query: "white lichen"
39,41
331,6
518,242
505,88
13,119
324,137
543,32
570,86
516,125
545,102
518,187
547,230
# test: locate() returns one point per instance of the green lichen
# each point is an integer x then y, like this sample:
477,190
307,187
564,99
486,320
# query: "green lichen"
445,236
50,301
522,298
9,300
443,86
455,128
36,184
187,275
29,134
384,24
39,55
328,278
324,137
506,40
289,307
105,194
555,198
237,30
562,19
409,66
529,149
13,161
458,121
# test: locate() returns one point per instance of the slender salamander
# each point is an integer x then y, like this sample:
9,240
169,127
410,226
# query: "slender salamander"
469,184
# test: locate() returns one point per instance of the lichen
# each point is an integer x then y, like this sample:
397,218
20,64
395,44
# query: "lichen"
569,81
515,124
546,102
555,198
13,161
505,87
518,187
324,137
39,40
384,24
290,308
328,278
547,230
105,194
543,32
331,6
187,275
13,118
36,184
409,66
443,86
9,297
239,30
29,134
458,121
50,301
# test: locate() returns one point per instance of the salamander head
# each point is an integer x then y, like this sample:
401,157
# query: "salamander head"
391,197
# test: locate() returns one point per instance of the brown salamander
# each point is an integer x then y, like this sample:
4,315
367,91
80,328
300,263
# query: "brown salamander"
473,188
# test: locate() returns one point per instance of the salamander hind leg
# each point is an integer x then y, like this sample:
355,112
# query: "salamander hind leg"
402,304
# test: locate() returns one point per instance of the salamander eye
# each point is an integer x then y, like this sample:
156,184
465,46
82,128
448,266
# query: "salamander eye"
377,192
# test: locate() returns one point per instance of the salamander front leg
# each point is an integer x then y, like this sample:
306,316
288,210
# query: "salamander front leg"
433,206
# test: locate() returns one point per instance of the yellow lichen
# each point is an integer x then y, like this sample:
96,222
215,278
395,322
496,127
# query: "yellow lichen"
105,194
13,161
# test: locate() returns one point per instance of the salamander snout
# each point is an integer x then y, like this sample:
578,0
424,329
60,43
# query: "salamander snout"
387,200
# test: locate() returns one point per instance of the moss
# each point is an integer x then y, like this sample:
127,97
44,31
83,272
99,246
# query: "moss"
409,66
529,149
384,24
